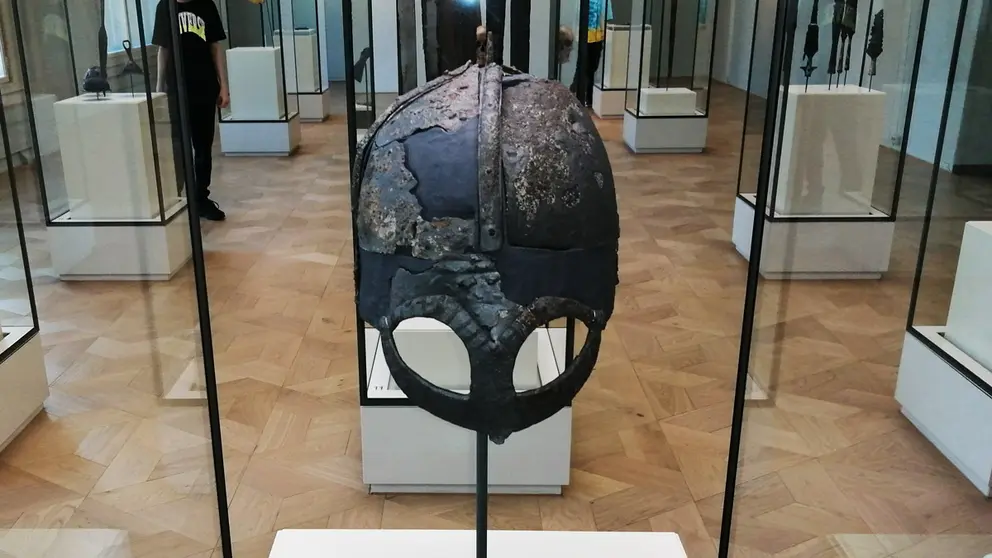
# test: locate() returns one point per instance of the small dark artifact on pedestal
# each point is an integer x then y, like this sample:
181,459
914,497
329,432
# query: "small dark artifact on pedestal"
131,68
845,20
485,200
95,80
874,47
812,45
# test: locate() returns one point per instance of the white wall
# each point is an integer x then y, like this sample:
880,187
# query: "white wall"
384,46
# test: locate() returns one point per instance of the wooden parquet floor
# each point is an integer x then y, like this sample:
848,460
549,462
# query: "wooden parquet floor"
829,469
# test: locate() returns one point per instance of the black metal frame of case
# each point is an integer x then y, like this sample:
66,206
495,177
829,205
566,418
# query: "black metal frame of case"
288,115
692,79
350,91
928,215
163,217
768,212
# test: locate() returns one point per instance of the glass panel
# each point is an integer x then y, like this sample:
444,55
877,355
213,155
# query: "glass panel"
759,34
639,39
284,37
569,18
120,100
116,454
309,31
364,63
829,464
676,50
255,29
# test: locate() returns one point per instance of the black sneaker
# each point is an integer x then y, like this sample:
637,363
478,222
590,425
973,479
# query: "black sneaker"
211,212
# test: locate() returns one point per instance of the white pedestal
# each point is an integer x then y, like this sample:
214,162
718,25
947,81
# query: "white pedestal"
406,449
816,249
608,103
64,543
278,138
23,383
314,107
304,75
969,322
139,251
830,144
379,543
667,101
256,84
671,134
951,410
618,68
108,157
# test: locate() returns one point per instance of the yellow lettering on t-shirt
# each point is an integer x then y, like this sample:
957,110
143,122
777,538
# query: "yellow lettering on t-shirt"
192,23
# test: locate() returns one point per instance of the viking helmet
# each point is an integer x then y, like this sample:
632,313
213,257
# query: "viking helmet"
485,200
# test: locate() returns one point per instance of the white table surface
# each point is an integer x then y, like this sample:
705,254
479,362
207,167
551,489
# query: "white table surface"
334,543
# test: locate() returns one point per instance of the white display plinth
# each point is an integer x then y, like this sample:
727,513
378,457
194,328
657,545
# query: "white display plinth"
108,156
23,382
816,249
670,134
255,81
314,107
608,103
969,322
141,251
947,407
667,101
618,69
278,138
406,449
830,142
64,543
304,75
380,543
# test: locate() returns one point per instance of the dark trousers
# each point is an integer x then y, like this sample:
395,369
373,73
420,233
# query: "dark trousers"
202,123
585,77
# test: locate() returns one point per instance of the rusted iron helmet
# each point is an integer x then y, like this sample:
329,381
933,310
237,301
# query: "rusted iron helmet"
485,200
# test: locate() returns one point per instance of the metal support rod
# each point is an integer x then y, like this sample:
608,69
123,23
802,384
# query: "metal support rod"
481,494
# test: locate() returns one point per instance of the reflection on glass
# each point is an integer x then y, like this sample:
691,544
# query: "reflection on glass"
364,64
833,440
117,445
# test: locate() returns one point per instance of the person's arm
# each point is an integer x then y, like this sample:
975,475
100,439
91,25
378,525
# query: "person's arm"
215,36
162,39
161,67
220,63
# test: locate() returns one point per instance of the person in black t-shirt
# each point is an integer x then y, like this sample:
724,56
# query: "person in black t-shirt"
204,84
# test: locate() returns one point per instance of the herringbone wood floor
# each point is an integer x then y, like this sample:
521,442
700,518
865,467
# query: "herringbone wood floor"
830,470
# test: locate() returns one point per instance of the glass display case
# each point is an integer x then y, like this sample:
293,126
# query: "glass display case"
609,95
263,72
947,352
309,74
825,145
669,67
362,70
103,141
23,382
